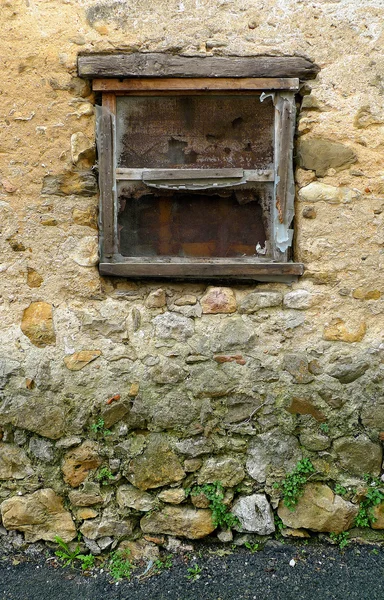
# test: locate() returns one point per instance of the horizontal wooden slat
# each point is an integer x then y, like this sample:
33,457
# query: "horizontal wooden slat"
154,174
140,64
203,84
203,270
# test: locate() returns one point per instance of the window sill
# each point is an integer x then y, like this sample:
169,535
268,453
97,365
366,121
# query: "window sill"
202,269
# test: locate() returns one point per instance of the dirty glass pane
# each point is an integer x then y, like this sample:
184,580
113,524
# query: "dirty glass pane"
212,131
189,225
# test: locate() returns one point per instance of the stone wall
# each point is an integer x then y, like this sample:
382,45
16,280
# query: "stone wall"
118,396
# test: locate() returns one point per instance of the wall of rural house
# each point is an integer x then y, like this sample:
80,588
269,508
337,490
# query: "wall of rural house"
117,397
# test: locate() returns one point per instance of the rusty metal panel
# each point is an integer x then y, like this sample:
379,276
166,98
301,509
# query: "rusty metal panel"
213,131
190,225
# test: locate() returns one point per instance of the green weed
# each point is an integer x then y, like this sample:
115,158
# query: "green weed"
340,490
119,565
341,539
214,492
98,427
69,556
252,547
193,573
324,427
292,486
373,497
104,476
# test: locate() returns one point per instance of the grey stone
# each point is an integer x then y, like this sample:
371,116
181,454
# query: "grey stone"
229,471
319,155
233,333
225,536
255,514
358,455
107,526
168,371
372,413
173,326
208,382
158,465
194,446
321,192
92,546
182,521
272,450
19,437
258,300
348,371
104,542
42,449
87,496
127,496
78,183
314,441
298,299
14,463
44,415
297,365
68,442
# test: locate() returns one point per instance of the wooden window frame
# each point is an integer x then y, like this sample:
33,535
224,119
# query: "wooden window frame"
125,79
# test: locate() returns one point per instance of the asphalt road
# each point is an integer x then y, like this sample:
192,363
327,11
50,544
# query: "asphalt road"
287,571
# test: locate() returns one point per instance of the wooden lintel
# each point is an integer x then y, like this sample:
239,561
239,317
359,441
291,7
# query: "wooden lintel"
200,270
140,64
193,84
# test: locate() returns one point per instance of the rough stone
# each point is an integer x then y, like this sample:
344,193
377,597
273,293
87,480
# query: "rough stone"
304,406
41,516
82,149
229,471
378,516
319,509
348,371
255,514
78,360
337,331
83,514
372,413
173,326
358,455
107,526
127,496
14,463
187,300
158,465
259,300
192,464
298,299
297,366
86,217
86,252
44,415
140,550
272,450
321,192
218,300
156,299
172,496
366,294
37,324
87,496
42,449
113,413
314,441
180,521
78,462
233,333
319,155
79,183
200,500
34,279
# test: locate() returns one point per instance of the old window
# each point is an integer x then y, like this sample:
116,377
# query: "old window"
195,158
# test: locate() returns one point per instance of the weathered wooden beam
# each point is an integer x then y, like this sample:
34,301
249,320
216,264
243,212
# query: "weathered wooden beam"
106,178
167,65
200,270
153,174
190,84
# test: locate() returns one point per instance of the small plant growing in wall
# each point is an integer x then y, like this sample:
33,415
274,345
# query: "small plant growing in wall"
69,556
214,492
373,497
119,565
104,476
341,539
98,428
292,486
